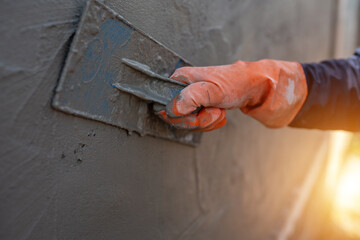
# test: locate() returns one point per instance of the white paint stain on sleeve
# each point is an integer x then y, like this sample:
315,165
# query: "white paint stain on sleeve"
290,92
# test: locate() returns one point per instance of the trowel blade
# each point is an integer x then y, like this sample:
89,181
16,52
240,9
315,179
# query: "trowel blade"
94,64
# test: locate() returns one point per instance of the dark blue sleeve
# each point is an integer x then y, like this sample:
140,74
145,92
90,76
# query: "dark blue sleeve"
333,100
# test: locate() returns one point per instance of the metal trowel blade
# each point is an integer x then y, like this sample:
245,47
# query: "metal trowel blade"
95,63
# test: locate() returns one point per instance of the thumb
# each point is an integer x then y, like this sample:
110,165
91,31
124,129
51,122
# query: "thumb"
195,95
190,74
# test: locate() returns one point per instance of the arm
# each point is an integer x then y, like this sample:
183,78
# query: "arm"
333,100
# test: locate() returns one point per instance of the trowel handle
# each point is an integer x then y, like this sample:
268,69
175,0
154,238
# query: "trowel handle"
159,107
143,93
145,69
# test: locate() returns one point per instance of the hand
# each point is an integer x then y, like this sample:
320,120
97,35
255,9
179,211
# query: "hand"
270,91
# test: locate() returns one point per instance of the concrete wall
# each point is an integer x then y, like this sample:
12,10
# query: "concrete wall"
63,177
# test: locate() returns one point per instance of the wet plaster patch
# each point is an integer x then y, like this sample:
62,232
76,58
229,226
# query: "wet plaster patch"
143,187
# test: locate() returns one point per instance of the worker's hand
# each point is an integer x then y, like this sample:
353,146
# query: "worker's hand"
268,90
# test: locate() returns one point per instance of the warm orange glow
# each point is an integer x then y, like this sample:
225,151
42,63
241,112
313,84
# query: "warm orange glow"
347,197
339,142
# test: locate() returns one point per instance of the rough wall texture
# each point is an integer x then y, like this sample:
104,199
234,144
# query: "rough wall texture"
63,177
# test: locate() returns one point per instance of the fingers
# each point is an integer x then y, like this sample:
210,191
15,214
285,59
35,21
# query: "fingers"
213,126
205,120
198,94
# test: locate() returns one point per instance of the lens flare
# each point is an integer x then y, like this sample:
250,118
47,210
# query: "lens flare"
347,197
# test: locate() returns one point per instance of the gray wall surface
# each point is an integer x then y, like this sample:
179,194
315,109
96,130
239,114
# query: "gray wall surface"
64,177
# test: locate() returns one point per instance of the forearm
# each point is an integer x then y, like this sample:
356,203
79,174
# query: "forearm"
333,100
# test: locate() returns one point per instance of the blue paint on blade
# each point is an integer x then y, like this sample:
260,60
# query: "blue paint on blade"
98,68
179,64
175,92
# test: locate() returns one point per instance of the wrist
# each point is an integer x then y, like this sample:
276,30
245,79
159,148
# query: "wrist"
284,91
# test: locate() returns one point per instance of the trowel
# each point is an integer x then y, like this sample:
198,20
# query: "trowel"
156,88
115,73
